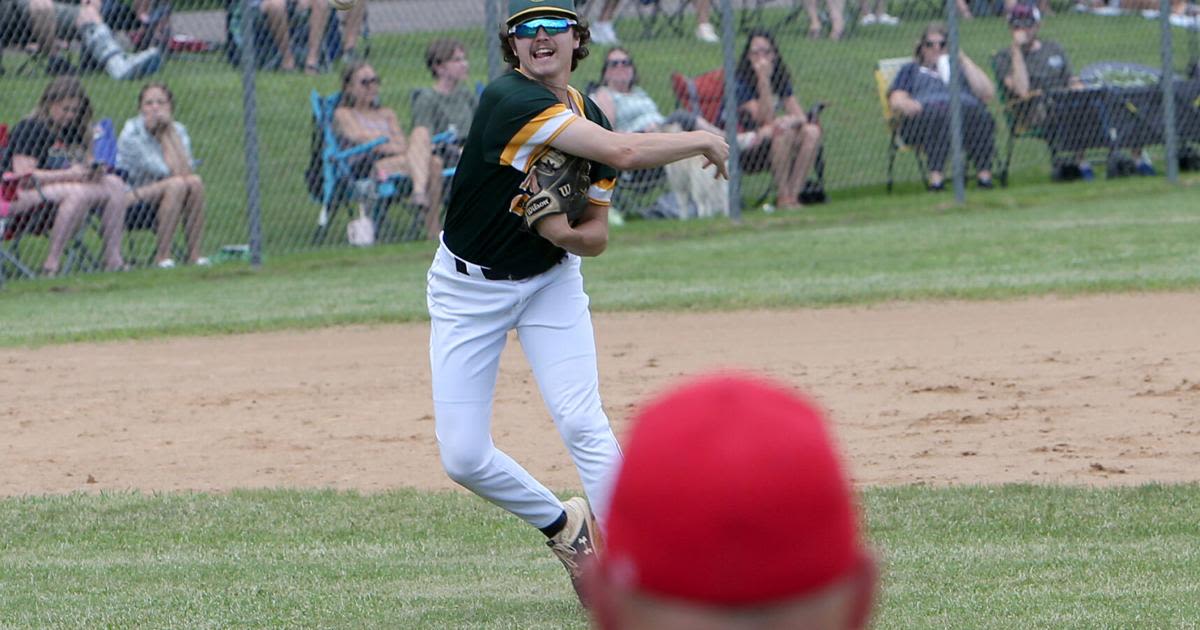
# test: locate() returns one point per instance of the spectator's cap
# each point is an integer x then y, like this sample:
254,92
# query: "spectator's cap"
519,10
731,494
1024,15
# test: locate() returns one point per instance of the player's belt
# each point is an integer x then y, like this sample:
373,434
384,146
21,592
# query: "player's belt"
491,274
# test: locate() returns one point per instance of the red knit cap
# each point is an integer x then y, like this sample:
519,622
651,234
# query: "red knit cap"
731,494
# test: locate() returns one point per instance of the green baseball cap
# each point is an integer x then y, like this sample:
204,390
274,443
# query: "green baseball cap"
520,9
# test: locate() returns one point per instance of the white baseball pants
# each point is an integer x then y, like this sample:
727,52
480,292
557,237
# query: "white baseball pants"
470,317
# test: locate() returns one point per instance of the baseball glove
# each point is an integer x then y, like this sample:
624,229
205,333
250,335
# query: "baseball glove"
557,184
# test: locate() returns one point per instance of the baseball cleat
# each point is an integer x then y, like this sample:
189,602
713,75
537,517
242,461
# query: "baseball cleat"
576,544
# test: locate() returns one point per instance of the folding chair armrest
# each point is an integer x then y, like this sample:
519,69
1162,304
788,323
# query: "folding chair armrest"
446,137
1013,102
357,149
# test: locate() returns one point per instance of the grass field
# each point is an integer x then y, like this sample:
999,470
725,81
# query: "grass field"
1126,235
990,557
1009,557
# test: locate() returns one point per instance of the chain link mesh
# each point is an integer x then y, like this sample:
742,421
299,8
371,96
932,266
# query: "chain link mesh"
845,54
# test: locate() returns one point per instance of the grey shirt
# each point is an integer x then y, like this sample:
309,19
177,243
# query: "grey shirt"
437,112
1048,66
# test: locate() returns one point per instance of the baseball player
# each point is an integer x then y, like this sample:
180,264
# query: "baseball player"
759,529
530,197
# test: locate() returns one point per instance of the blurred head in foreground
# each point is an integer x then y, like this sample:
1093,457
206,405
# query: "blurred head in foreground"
732,510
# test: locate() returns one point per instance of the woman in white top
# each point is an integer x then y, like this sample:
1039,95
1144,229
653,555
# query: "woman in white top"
155,152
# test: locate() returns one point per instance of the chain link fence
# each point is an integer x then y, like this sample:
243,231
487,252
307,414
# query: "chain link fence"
246,85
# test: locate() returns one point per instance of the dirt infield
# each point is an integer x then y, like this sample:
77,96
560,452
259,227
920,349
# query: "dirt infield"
1092,390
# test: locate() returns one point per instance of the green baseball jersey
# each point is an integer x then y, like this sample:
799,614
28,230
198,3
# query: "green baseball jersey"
515,122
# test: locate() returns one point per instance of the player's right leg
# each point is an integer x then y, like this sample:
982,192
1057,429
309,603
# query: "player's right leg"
469,322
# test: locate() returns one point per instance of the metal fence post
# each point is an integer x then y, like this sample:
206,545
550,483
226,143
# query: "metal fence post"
1167,83
249,59
956,145
491,18
728,33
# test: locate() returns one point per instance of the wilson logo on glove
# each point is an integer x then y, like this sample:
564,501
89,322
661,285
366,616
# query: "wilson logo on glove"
557,184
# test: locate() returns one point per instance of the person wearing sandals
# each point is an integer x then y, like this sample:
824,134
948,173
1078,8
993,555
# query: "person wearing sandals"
360,118
49,153
155,152
920,95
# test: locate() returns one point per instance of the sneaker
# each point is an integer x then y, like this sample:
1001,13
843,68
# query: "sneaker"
575,544
867,19
707,34
165,263
887,20
1085,172
603,33
203,261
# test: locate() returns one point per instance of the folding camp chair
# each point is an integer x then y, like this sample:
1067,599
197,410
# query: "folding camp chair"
333,183
885,72
1068,121
37,221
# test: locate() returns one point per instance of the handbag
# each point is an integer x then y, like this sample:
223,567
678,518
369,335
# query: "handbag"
361,231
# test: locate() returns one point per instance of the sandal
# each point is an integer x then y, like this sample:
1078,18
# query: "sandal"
312,69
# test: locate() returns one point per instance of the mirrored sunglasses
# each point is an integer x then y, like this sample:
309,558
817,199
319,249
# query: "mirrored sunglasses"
552,25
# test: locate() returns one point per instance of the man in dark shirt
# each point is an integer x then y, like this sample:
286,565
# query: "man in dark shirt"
1031,67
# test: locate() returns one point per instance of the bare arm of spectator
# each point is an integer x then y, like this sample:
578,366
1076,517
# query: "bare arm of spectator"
347,126
603,98
25,165
904,104
1017,79
977,79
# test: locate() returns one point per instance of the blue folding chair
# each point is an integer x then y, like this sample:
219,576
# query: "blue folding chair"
333,183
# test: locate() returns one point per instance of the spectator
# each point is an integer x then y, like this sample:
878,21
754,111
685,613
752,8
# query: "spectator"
448,106
731,510
318,18
1031,67
766,98
875,12
603,33
156,153
920,95
359,118
45,21
630,109
49,151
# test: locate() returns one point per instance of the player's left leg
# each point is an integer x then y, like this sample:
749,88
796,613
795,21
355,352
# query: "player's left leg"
557,338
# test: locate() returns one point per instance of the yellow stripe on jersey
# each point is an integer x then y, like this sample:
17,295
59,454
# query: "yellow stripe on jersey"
601,192
533,139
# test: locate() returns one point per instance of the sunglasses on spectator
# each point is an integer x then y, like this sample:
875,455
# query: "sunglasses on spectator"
937,44
617,63
369,81
1022,23
552,25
